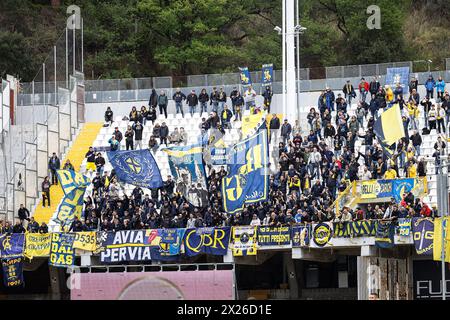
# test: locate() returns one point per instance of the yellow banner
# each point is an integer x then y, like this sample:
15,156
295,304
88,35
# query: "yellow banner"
85,241
249,123
369,189
437,240
37,245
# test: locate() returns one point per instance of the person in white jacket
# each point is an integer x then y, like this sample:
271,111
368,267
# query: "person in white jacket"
255,221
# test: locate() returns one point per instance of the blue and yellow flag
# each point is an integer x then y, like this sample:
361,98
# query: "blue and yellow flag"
245,77
186,165
247,180
389,128
74,186
267,74
136,167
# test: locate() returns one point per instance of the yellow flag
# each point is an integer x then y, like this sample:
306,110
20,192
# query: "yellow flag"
37,245
437,240
85,240
249,123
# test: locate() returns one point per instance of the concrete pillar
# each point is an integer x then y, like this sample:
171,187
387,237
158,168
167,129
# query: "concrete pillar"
388,278
289,267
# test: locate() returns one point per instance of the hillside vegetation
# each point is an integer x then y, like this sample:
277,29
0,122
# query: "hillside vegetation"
139,38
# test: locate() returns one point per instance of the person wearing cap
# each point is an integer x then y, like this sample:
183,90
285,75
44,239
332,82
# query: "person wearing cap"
178,97
192,102
430,84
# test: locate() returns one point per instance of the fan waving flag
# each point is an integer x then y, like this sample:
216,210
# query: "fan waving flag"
389,128
74,187
186,165
245,77
247,180
136,167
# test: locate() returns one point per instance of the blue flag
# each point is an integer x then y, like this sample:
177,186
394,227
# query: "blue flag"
398,75
245,77
12,245
74,187
247,180
267,74
13,272
186,165
136,167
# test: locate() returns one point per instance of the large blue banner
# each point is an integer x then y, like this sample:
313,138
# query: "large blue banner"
274,236
207,240
186,165
245,77
13,272
267,74
247,180
398,75
423,235
136,167
74,186
127,245
12,245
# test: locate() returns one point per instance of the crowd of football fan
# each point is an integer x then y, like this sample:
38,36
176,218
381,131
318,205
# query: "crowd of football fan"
311,170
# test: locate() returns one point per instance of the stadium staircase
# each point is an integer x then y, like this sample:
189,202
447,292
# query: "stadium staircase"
80,146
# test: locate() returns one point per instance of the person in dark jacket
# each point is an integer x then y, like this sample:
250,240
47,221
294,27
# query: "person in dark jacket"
100,163
233,96
192,102
164,133
274,126
43,228
133,116
33,226
413,85
45,192
349,92
76,225
18,228
203,98
129,135
23,214
286,130
178,97
162,103
214,99
90,160
118,134
109,115
374,106
53,165
153,101
150,115
226,117
374,86
416,140
68,166
268,94
238,105
138,130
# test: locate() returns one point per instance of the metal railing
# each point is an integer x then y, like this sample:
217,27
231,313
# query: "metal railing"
139,89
